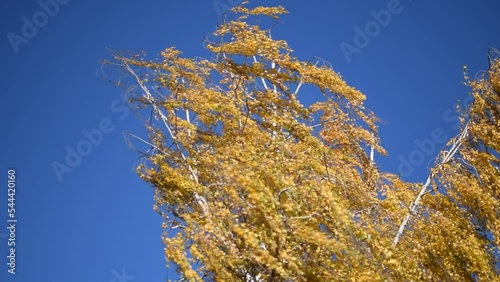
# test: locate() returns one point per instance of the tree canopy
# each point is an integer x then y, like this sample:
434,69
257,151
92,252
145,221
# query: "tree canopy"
255,186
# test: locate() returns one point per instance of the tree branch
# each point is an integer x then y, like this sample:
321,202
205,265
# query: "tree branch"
416,203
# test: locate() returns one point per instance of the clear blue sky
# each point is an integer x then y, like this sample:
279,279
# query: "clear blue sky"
96,222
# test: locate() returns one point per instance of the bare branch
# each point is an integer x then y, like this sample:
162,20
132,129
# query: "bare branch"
416,203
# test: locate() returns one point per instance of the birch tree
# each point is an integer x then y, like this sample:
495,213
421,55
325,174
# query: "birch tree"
255,186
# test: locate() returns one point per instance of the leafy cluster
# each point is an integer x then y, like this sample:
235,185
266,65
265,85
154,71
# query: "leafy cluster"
255,186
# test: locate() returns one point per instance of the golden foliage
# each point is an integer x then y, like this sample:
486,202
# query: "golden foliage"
255,186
